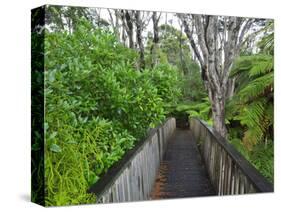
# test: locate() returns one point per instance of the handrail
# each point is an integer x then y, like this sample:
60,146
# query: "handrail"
228,170
119,183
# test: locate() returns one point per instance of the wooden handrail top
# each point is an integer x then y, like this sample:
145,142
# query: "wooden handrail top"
260,182
108,178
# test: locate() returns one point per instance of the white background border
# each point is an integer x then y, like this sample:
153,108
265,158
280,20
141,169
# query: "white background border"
15,104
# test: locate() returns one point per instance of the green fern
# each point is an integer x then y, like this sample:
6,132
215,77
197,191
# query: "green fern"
252,104
250,111
262,66
200,110
260,86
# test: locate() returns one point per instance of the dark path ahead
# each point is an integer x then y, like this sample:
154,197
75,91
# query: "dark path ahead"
182,173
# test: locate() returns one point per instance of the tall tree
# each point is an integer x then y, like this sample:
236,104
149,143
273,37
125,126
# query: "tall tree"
133,24
61,18
139,29
114,16
128,24
180,46
155,45
216,42
174,44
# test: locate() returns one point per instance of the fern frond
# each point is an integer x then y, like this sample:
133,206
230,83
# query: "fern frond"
257,87
259,64
252,114
254,118
251,107
262,67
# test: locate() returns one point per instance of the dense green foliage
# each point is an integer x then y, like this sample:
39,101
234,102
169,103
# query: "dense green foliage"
97,106
250,111
198,109
176,51
252,105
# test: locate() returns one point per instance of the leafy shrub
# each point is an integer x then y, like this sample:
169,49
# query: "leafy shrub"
168,81
194,90
97,106
130,98
87,46
77,155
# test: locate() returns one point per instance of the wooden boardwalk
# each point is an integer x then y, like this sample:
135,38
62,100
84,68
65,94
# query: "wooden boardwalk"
182,173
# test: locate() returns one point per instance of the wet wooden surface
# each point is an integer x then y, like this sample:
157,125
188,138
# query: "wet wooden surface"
182,173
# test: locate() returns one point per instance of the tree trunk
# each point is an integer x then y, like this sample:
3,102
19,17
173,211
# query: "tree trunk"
117,26
218,114
124,36
115,23
181,53
216,41
139,39
155,45
131,40
230,88
130,28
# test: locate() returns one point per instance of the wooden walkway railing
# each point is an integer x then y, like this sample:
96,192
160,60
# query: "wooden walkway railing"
229,171
133,177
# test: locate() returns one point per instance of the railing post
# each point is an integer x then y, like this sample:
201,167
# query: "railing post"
133,177
229,171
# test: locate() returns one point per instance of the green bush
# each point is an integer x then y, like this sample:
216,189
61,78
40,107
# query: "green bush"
168,81
97,107
128,96
77,155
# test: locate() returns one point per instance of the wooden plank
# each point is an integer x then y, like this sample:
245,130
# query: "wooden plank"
236,176
220,173
132,178
259,182
182,173
229,174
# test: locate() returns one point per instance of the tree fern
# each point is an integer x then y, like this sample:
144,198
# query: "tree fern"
260,86
262,66
255,121
252,104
